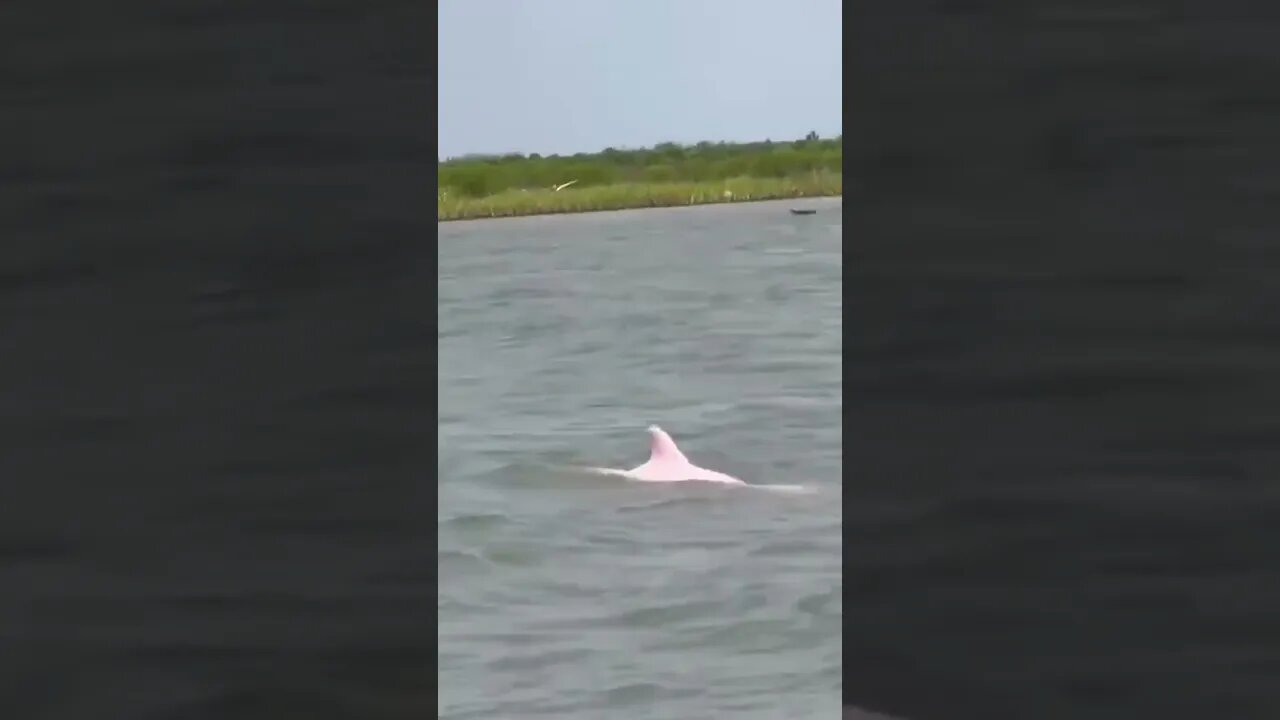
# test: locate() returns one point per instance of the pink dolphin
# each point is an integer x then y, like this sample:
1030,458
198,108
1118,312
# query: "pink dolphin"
667,464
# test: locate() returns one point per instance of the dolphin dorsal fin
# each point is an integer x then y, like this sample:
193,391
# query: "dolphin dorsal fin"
662,448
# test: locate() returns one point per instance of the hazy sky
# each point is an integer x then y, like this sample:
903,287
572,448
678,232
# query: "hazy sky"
565,76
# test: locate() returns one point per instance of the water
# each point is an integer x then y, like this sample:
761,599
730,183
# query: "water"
565,595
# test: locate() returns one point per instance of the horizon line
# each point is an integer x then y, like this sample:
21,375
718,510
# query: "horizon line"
623,148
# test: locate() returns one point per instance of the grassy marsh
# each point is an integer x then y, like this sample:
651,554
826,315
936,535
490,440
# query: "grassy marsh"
664,176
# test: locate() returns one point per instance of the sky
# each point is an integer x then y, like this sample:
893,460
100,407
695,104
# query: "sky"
567,76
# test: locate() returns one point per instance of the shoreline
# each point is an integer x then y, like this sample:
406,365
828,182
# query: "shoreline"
608,198
737,201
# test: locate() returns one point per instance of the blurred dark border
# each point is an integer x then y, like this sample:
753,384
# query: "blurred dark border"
165,164
1125,140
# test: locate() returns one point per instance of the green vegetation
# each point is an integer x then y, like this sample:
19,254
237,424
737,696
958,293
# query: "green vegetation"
665,175
509,203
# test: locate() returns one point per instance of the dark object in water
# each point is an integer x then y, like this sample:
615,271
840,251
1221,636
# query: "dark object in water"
802,212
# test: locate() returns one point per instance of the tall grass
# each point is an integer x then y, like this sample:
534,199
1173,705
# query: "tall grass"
513,202
664,175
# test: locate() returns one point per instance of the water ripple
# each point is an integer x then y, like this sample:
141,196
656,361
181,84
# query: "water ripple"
566,594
